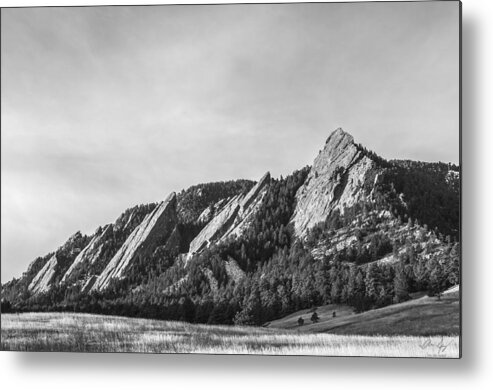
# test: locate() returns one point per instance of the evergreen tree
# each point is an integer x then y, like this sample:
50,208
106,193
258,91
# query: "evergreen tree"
251,313
401,287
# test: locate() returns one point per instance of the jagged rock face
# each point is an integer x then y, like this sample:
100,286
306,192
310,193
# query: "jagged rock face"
36,264
217,226
335,181
90,253
232,218
249,206
41,282
153,231
55,267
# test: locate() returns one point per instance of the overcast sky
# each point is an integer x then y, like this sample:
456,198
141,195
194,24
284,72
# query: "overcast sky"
104,108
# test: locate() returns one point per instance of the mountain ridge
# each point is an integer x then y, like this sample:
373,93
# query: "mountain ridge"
352,228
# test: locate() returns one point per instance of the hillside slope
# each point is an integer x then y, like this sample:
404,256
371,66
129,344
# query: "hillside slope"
424,316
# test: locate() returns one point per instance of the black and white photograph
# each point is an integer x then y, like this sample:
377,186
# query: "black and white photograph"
246,179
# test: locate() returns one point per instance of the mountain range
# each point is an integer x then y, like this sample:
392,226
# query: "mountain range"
351,229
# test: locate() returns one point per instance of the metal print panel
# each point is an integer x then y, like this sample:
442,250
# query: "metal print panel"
274,179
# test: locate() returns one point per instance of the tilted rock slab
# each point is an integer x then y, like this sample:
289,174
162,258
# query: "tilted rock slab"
335,181
153,231
91,252
41,282
43,279
232,219
249,206
217,226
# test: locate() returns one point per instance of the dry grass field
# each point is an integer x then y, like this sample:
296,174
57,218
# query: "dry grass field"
97,333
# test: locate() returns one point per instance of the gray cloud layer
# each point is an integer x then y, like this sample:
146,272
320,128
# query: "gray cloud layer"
107,107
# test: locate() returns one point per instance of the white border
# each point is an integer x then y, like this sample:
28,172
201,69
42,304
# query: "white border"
474,371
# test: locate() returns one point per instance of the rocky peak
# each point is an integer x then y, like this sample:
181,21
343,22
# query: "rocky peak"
339,152
335,181
339,135
257,188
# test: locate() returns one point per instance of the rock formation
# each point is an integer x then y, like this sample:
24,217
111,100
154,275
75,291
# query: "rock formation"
211,211
54,268
335,181
41,282
232,218
90,253
153,231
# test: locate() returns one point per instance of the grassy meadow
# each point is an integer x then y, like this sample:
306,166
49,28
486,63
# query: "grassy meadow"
98,333
422,316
